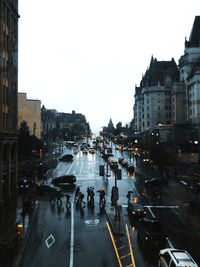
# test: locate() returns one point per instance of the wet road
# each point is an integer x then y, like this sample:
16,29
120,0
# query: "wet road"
79,237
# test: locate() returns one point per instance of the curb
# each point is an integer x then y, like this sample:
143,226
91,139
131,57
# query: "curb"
25,238
117,225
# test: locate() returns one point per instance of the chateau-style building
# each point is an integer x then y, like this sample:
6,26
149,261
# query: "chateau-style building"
153,97
8,98
169,94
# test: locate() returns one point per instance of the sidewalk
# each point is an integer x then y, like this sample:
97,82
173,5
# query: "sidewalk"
116,220
12,240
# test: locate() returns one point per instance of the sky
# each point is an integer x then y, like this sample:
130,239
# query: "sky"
88,55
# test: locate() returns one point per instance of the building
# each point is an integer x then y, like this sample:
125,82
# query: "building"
189,65
8,98
153,97
169,95
29,110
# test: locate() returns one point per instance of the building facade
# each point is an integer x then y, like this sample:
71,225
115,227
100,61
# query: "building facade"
189,65
153,97
29,110
8,97
170,95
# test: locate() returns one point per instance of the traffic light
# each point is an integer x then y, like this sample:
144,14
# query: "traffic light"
119,174
101,170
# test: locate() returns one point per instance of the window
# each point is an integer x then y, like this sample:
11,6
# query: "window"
173,264
167,258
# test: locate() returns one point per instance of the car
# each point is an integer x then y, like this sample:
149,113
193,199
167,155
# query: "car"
151,233
23,185
171,257
47,190
136,211
130,167
66,157
64,179
91,151
85,151
120,160
155,182
124,163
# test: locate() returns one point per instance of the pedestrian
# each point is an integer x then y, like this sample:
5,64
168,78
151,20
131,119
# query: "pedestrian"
59,199
68,204
88,194
129,197
81,199
77,192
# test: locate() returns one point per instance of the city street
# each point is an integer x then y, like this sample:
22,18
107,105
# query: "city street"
77,236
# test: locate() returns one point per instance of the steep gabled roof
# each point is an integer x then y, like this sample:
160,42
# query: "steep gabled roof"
158,71
194,40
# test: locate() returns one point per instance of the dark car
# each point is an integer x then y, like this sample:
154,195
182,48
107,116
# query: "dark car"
136,211
66,157
155,182
47,190
124,163
64,179
130,167
151,233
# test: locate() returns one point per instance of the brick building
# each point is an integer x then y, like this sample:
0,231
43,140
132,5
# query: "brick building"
29,110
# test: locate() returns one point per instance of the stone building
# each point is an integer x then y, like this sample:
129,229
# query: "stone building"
153,96
189,65
29,110
170,95
8,98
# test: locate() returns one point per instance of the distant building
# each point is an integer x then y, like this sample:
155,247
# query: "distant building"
48,119
29,110
8,98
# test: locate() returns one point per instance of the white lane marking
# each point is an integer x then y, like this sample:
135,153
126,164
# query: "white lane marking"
49,241
168,241
70,167
152,214
183,182
160,207
72,237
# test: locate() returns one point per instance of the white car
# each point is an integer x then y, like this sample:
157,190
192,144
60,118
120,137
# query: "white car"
171,257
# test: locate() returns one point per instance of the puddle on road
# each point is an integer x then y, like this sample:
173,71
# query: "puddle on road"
92,222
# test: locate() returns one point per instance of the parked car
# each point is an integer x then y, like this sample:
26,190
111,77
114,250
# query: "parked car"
151,233
155,182
136,211
66,157
47,190
64,179
171,257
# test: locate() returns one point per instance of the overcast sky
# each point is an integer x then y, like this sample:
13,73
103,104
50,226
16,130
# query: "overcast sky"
87,55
